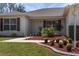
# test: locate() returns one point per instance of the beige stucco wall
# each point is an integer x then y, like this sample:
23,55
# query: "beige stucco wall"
24,23
23,26
73,14
36,24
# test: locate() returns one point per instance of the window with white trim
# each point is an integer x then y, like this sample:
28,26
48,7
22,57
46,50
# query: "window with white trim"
9,24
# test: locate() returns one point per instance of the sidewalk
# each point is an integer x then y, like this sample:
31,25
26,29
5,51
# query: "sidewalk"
25,39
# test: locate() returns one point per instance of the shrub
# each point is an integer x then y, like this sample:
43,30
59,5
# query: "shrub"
70,40
65,42
1,35
13,34
77,44
47,32
57,41
52,42
44,32
69,47
60,44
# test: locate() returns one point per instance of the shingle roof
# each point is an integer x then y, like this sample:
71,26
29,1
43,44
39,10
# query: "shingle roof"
47,12
12,13
40,12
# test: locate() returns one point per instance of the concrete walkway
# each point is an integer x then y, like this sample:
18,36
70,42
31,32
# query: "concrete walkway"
24,39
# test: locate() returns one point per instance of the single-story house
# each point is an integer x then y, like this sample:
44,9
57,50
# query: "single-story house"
30,23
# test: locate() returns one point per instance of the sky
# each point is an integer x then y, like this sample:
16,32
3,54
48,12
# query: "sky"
35,6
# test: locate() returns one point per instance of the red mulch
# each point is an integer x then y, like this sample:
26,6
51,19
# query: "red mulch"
50,38
76,50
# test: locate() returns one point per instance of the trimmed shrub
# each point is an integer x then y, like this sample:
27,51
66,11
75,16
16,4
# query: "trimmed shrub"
70,40
47,32
52,42
69,47
1,35
65,42
13,34
60,44
57,41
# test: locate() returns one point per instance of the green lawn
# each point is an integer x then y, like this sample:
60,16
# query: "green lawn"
24,49
4,38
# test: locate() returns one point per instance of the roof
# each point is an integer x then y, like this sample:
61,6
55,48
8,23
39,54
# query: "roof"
12,13
47,12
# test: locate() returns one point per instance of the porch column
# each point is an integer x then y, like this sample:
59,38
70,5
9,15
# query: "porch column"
74,27
67,27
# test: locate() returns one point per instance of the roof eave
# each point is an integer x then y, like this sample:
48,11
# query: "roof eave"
46,17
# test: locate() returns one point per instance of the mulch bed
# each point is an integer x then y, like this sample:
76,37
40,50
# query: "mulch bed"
76,50
50,38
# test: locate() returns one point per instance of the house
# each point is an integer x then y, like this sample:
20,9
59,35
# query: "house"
30,23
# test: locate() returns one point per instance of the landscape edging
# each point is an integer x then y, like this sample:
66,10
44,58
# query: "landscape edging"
58,51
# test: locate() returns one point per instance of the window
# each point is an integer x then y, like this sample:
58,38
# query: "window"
13,21
10,24
50,23
13,27
6,27
56,24
13,24
6,21
6,24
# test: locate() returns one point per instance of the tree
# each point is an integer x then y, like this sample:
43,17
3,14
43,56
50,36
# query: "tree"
2,7
11,6
20,8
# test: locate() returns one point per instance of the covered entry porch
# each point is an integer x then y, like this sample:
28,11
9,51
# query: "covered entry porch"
37,23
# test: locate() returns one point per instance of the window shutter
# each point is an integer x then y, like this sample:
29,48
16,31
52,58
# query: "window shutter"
18,24
1,24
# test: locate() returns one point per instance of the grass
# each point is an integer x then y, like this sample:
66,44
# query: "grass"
4,38
24,49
